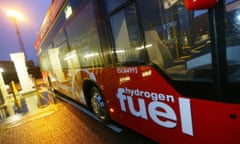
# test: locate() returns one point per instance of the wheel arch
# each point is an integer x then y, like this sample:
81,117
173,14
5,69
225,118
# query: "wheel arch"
88,85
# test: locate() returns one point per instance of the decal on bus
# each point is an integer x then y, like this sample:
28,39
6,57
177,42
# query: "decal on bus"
125,97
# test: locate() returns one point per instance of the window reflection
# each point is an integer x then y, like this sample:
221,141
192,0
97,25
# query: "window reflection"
128,46
232,38
84,40
177,40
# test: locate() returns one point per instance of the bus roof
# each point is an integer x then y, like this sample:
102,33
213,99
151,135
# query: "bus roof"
49,19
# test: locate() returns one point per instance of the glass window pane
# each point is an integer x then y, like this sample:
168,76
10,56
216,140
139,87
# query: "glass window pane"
44,61
84,40
177,40
127,38
61,43
232,38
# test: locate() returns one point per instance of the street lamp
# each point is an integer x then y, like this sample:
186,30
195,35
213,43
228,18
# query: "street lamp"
15,17
19,59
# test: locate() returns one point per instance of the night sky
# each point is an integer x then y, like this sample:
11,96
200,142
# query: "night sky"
33,12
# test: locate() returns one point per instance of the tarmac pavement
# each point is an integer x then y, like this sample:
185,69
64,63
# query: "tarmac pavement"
55,124
60,123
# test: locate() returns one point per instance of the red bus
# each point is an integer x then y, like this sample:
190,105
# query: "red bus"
167,69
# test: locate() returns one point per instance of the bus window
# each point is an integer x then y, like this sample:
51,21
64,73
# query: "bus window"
127,38
232,38
44,61
61,43
177,40
84,40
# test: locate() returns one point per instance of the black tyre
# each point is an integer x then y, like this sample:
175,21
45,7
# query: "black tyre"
98,105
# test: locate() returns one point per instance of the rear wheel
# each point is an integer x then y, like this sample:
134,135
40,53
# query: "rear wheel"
98,105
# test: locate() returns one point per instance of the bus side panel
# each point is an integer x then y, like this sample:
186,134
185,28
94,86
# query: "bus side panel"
215,122
146,103
147,97
143,98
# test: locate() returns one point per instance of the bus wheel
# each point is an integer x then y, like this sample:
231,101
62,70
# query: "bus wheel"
98,105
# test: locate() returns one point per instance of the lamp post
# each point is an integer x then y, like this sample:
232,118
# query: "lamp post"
15,16
19,59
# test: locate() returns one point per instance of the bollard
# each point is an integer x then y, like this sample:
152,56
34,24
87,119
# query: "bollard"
14,92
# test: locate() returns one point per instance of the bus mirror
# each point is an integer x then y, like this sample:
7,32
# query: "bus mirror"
199,4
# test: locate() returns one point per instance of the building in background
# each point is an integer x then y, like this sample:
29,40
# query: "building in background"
10,73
